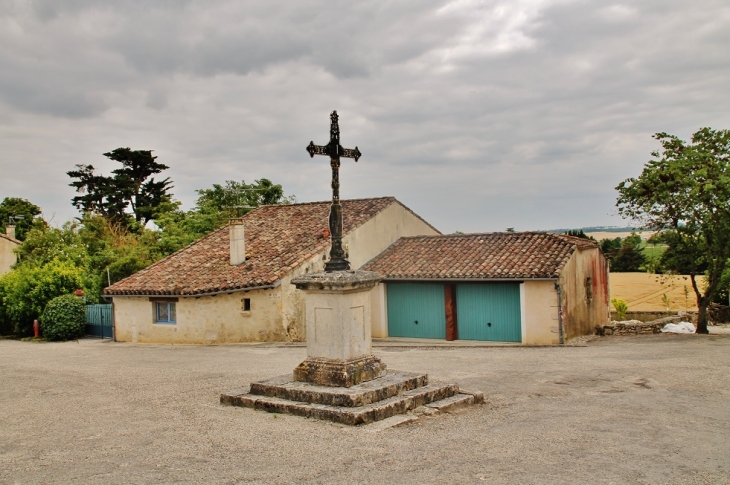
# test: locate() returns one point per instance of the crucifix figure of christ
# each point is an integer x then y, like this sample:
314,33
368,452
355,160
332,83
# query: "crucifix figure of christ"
334,150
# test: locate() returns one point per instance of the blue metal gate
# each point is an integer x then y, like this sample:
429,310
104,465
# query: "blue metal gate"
99,320
416,310
489,311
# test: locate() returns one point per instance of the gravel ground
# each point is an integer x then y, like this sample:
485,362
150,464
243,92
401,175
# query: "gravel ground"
644,409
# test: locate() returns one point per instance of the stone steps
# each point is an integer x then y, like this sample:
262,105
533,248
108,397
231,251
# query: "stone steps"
396,393
392,384
457,401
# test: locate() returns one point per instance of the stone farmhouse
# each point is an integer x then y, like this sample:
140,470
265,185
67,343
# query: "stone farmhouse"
234,284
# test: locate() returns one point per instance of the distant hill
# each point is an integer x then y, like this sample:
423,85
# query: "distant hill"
595,229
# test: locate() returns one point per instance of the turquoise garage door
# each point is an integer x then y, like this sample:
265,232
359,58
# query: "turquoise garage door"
416,310
489,311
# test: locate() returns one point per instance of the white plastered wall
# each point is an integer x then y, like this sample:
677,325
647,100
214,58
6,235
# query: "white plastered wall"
7,256
539,301
203,320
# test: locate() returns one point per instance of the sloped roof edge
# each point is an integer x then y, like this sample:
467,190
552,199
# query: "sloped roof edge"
274,251
478,256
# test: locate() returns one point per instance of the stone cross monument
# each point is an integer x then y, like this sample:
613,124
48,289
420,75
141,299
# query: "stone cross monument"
334,150
338,300
341,380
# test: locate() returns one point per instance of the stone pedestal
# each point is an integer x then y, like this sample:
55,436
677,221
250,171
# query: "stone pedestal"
341,380
339,349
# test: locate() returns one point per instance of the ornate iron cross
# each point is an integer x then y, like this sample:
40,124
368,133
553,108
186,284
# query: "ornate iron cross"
338,261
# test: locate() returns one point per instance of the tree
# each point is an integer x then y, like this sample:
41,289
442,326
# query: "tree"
213,209
25,291
579,233
629,256
685,190
102,250
129,188
14,207
233,199
625,255
610,247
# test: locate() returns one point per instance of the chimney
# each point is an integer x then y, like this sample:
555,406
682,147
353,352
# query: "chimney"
10,231
238,243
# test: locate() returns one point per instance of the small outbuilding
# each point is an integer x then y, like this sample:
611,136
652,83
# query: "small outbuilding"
233,285
533,288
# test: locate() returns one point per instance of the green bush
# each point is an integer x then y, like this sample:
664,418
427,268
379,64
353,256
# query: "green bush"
621,308
64,318
26,290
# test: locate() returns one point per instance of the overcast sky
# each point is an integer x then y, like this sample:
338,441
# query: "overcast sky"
478,115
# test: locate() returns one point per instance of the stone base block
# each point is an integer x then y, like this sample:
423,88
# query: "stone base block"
392,384
333,373
397,393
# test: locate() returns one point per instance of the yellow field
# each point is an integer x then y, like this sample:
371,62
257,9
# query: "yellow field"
643,292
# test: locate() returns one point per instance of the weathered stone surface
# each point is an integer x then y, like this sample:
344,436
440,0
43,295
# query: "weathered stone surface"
394,383
633,327
328,372
452,403
478,395
337,281
400,404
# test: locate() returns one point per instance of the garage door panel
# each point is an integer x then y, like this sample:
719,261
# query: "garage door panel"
489,312
416,310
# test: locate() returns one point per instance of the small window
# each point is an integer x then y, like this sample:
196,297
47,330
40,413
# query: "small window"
165,313
246,304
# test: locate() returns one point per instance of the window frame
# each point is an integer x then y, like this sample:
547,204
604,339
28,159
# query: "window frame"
171,312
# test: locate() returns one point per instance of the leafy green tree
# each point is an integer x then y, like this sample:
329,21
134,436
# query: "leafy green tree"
130,187
213,209
45,244
28,212
674,259
685,191
233,199
629,256
103,250
723,293
610,247
113,251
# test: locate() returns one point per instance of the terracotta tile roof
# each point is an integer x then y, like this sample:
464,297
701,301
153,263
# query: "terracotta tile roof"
508,255
278,239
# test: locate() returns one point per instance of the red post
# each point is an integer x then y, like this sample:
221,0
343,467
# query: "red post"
452,326
36,329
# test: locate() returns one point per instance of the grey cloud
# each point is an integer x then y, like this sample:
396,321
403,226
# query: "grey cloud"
472,131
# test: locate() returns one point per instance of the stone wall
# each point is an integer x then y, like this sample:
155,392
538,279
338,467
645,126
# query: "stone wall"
637,327
690,316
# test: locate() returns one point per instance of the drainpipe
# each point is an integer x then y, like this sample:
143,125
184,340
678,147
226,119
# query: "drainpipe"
560,313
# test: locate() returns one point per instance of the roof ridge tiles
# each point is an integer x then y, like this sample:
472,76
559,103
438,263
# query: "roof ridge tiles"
513,255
